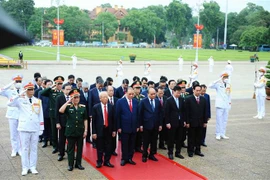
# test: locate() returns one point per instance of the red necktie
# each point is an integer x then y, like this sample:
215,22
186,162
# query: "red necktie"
105,116
111,101
130,105
125,91
198,100
161,102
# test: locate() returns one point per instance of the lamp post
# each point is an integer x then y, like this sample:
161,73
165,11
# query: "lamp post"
225,28
58,34
198,31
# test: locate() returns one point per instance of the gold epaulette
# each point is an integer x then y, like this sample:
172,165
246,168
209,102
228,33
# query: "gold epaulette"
142,95
81,105
69,104
186,93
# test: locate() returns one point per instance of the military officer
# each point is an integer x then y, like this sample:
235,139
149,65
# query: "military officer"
30,126
13,113
260,93
53,92
136,85
223,104
76,128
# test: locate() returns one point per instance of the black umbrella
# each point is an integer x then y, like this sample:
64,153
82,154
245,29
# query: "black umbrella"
10,31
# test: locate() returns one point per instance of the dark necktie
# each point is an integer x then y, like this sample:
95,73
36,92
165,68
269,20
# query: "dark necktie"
18,91
67,98
198,100
224,84
30,100
152,104
161,102
111,101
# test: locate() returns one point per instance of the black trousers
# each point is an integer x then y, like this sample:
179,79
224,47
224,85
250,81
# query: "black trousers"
150,138
128,144
139,139
184,134
54,130
175,135
194,139
203,134
114,143
72,142
88,129
62,141
104,146
163,136
47,130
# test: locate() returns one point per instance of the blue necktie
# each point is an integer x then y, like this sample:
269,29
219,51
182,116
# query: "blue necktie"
177,103
153,108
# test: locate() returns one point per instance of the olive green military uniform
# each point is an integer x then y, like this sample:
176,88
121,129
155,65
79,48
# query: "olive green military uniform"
138,140
74,131
52,95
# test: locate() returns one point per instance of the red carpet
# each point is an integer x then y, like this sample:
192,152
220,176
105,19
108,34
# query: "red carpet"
163,169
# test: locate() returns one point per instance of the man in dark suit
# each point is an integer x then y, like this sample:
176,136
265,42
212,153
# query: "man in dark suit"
38,83
93,98
112,100
175,122
103,128
127,124
163,133
162,82
169,91
61,120
150,84
47,121
40,88
150,116
71,79
196,119
84,100
121,90
208,111
92,86
190,89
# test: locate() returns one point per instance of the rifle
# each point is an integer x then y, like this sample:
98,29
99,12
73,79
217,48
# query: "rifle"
190,74
255,74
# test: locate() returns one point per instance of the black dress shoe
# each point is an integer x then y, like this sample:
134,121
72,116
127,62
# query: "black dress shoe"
153,158
179,156
123,162
108,164
114,154
99,165
89,141
170,156
144,159
55,151
70,168
60,158
162,147
131,162
138,150
45,144
200,154
79,167
190,155
40,139
203,144
50,143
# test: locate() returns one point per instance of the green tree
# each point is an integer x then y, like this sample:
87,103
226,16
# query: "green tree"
178,17
20,10
109,23
106,5
253,37
121,36
211,18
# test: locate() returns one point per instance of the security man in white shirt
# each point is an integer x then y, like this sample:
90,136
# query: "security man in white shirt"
223,104
13,113
260,93
30,126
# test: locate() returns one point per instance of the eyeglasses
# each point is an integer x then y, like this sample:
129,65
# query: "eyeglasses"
76,97
30,89
18,81
59,83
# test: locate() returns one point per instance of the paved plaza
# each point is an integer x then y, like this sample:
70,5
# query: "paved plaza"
244,156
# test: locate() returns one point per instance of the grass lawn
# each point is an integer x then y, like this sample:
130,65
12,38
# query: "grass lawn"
143,54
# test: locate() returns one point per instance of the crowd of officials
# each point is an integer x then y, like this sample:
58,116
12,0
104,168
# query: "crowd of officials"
140,114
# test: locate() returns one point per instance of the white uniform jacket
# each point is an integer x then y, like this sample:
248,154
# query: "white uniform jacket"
260,86
223,97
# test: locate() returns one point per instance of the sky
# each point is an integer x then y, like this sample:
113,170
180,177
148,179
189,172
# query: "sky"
233,5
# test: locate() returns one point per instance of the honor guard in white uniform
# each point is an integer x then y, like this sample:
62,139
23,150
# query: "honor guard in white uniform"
13,113
181,62
229,69
74,61
119,72
211,63
147,71
30,126
194,76
260,93
223,104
